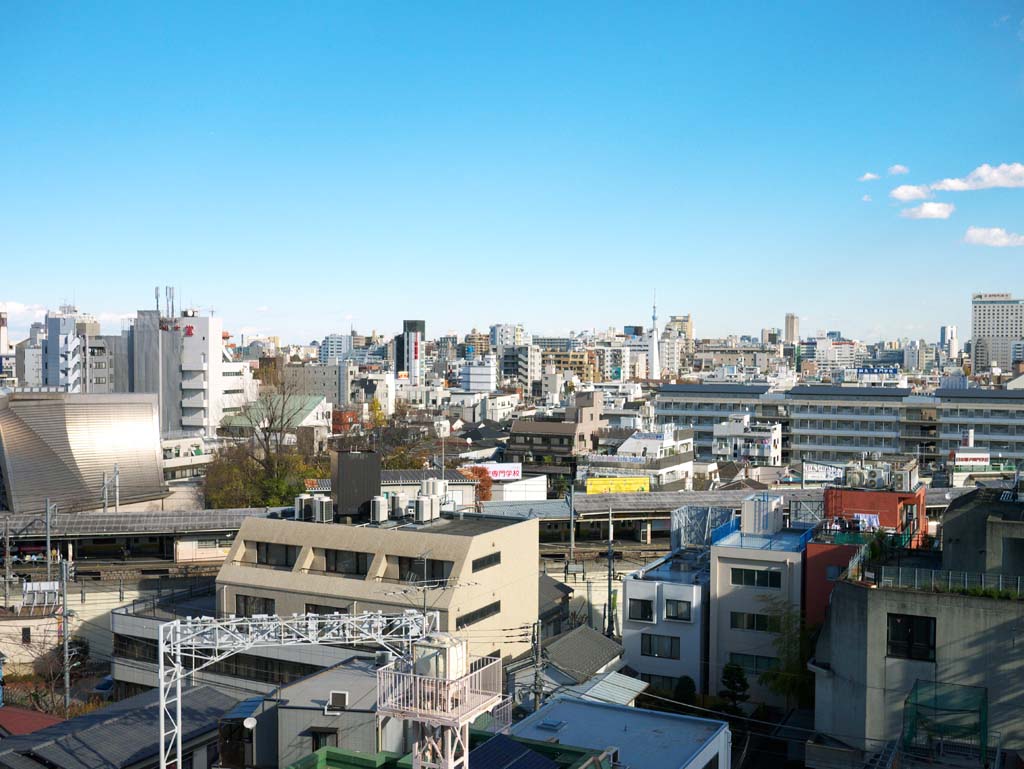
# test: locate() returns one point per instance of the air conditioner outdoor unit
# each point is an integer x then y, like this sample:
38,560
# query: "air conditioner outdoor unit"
322,509
423,509
854,478
378,510
337,702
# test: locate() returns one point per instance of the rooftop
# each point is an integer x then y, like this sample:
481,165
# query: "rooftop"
645,739
115,737
357,675
792,540
685,567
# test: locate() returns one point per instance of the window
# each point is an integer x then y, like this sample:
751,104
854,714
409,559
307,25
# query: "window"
487,561
478,616
250,605
347,562
665,684
677,610
757,578
318,608
26,635
324,738
280,556
423,569
912,637
659,646
753,663
764,623
641,610
832,573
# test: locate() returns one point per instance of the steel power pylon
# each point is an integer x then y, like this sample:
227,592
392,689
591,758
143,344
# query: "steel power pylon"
204,641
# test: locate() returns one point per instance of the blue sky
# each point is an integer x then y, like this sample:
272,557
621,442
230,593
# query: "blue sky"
303,167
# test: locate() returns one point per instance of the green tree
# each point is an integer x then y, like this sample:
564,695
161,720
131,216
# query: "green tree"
794,644
685,691
735,688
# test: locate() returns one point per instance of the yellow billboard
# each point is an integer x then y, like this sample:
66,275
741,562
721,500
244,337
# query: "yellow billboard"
617,485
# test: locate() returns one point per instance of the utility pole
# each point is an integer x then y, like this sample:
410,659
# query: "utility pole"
7,562
67,631
538,679
572,522
49,565
610,630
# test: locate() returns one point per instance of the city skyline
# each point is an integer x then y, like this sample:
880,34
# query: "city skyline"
482,166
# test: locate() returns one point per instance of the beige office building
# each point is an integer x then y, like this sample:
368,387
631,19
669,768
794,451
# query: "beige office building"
480,574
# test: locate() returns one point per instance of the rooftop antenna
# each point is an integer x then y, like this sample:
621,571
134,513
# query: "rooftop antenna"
156,296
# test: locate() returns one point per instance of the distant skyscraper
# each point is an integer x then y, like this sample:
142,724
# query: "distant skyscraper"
948,341
997,321
792,328
414,334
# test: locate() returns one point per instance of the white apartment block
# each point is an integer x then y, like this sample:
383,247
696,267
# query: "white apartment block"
997,321
664,619
480,376
509,335
739,439
335,347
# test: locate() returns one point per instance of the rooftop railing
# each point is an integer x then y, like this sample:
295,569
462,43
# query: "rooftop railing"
405,694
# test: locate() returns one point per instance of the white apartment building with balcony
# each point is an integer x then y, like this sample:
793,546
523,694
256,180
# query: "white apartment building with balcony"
738,439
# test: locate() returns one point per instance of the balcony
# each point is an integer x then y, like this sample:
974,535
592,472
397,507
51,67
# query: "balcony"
404,694
195,400
194,420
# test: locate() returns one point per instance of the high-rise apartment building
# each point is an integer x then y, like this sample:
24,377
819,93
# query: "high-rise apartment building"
509,335
334,347
997,321
792,333
184,361
409,350
62,351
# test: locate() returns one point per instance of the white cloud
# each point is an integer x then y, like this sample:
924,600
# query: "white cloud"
868,177
985,177
898,169
907,192
996,237
21,311
929,211
866,198
263,308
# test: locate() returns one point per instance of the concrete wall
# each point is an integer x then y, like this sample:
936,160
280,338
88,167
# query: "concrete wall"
727,598
862,693
513,582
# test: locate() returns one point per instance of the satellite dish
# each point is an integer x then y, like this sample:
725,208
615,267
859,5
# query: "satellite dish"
249,723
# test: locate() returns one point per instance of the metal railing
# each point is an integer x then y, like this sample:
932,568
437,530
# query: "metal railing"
161,606
404,694
501,715
941,580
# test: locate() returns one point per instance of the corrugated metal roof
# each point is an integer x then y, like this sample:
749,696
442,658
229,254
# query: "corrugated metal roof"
120,735
610,687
